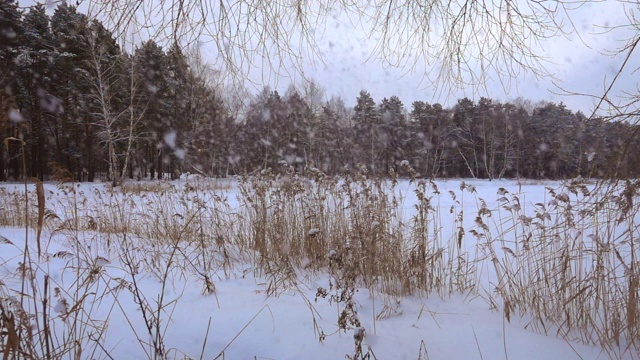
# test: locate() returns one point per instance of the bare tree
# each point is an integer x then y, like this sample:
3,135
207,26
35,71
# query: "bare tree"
314,95
462,42
135,113
107,74
103,78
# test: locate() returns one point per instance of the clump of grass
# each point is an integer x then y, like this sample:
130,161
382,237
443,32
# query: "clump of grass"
293,219
14,213
42,317
141,187
204,184
571,266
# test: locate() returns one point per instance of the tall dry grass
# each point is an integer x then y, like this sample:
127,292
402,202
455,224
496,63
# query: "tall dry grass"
568,262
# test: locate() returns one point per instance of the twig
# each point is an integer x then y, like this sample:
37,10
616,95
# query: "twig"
240,332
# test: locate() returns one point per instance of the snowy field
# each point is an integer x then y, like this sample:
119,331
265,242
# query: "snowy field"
193,269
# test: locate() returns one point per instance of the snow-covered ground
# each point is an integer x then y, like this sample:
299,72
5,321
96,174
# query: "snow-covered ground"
241,318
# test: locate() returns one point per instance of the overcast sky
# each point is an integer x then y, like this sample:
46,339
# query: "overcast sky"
577,62
579,65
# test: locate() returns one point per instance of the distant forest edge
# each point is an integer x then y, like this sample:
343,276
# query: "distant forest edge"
74,102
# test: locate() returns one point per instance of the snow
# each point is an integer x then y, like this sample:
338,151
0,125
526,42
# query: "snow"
15,116
242,320
170,139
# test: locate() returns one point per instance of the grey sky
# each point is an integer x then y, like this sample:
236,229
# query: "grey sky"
576,60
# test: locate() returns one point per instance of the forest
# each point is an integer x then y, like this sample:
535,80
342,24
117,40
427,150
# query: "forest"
74,102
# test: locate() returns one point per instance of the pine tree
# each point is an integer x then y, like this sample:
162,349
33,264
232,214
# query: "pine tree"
11,34
328,138
151,73
294,136
553,129
38,105
177,124
466,139
393,134
366,120
514,138
255,138
431,138
209,141
73,130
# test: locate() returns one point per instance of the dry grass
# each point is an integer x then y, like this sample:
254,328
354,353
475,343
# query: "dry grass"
571,267
193,183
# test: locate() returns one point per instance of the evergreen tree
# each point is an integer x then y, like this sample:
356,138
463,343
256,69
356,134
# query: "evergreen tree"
466,141
366,120
393,134
553,130
11,34
72,128
37,105
256,137
330,138
514,137
430,138
151,74
210,139
179,85
294,136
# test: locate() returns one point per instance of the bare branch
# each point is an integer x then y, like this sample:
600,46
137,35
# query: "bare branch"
459,43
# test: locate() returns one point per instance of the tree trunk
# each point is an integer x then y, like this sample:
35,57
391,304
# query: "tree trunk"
3,176
152,170
159,159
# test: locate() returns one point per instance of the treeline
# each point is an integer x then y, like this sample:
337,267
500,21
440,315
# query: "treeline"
484,139
73,102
